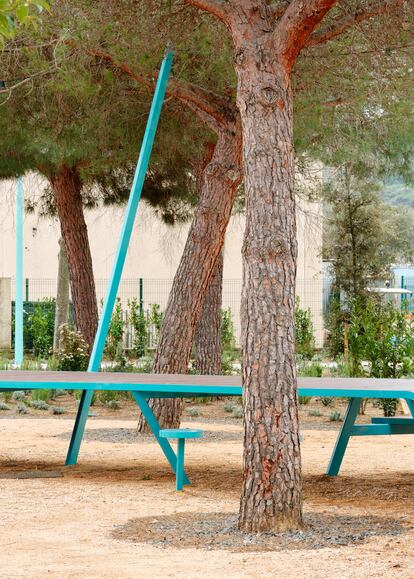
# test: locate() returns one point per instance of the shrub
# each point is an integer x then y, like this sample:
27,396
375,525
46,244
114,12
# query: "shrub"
73,353
304,400
4,406
228,340
237,412
113,404
383,335
194,412
57,410
18,395
315,412
39,405
138,321
335,416
313,370
42,395
115,332
228,407
305,340
21,408
41,326
327,400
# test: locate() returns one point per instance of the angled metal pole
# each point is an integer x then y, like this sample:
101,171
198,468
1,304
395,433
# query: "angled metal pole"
18,309
123,244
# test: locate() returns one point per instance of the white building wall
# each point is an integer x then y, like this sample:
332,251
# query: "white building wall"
153,255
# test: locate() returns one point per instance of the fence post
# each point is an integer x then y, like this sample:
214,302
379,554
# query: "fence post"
27,290
141,296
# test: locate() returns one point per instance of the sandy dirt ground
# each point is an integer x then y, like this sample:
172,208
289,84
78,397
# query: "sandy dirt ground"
72,526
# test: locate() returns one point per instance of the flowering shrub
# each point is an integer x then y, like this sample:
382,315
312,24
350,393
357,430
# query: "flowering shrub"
73,353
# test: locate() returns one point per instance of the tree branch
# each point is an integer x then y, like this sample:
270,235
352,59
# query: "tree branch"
297,24
343,24
216,7
213,110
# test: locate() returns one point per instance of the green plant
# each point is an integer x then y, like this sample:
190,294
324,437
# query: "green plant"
115,332
335,416
194,412
18,395
305,340
304,400
327,400
228,340
7,396
73,353
237,412
228,407
21,408
4,406
313,370
138,321
315,412
389,406
113,404
42,394
39,405
156,317
41,326
57,410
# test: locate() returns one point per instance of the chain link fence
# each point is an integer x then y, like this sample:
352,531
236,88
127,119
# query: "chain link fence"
148,292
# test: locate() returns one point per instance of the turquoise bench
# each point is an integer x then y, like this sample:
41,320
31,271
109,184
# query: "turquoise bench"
181,434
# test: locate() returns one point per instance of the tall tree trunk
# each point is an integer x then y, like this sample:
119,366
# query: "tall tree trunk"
62,294
207,339
219,184
67,186
272,490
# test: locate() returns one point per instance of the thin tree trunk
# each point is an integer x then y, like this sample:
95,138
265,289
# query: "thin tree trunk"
219,184
207,338
67,186
62,294
272,490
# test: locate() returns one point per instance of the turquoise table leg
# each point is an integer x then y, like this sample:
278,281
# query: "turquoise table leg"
343,437
155,428
77,433
120,257
179,483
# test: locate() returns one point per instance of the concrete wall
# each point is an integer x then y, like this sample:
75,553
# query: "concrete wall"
5,313
154,252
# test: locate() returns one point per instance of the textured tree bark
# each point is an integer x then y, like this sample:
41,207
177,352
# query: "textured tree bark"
219,184
66,186
62,294
207,339
272,491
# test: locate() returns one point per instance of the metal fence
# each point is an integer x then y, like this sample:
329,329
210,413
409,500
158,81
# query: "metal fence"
156,291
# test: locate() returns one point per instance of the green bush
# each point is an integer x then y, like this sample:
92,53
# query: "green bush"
41,326
315,412
304,400
382,335
115,332
305,340
138,321
42,395
237,412
194,412
39,405
228,407
57,410
335,416
4,406
73,353
228,340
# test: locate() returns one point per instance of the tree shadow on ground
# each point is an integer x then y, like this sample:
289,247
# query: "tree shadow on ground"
219,531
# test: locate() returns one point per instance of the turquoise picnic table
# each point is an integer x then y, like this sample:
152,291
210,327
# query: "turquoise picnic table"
146,386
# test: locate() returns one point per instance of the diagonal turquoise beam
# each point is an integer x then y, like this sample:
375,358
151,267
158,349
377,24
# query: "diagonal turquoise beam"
123,244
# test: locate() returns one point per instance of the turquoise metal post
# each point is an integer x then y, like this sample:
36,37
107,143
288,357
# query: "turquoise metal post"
163,442
18,310
179,482
123,244
343,437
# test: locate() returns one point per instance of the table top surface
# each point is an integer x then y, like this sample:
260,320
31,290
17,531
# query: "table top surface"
198,385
